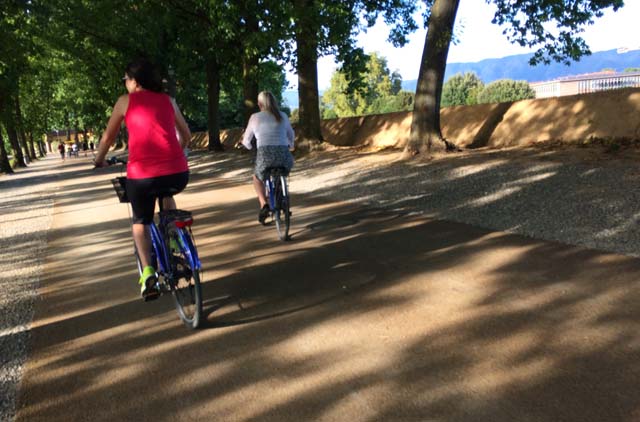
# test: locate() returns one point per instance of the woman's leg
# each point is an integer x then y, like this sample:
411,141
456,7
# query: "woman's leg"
259,187
142,239
168,203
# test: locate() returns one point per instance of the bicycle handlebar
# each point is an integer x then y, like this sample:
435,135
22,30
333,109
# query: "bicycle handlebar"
115,160
110,162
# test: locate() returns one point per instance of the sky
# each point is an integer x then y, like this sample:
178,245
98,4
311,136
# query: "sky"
479,39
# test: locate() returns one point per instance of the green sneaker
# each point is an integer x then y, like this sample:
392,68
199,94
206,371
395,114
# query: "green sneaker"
148,284
173,245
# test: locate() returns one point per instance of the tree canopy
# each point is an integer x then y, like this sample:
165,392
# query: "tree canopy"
61,60
461,89
505,90
553,27
378,91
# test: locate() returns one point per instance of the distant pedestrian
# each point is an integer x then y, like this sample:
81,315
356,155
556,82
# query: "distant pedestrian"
61,150
91,146
85,147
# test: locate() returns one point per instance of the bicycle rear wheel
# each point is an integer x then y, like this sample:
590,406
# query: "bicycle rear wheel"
185,268
282,216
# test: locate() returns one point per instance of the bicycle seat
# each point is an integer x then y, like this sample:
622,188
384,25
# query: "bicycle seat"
165,193
176,215
180,218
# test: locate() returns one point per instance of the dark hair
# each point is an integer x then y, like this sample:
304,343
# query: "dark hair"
145,74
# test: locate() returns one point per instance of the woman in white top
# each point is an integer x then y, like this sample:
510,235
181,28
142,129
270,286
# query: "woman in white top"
274,138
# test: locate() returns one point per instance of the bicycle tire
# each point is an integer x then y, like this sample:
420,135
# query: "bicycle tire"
186,286
282,215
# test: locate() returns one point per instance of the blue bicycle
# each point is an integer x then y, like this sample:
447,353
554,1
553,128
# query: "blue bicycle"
277,193
174,255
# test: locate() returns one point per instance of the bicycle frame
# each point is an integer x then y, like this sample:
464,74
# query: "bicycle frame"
270,188
270,193
159,249
172,263
161,252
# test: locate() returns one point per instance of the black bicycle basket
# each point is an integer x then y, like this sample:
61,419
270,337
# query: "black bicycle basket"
119,184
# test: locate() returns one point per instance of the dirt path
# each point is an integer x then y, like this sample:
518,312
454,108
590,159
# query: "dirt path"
368,314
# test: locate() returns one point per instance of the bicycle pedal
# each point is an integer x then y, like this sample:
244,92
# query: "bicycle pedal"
152,294
163,288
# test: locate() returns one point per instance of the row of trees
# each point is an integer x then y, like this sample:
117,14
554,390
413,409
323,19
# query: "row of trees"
61,60
380,91
214,55
468,89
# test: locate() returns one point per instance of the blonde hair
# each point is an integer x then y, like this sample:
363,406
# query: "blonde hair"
269,103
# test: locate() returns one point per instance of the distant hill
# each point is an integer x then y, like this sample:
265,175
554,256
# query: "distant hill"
290,98
517,67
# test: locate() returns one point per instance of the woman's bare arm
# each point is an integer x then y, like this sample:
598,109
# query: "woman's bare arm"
113,127
181,125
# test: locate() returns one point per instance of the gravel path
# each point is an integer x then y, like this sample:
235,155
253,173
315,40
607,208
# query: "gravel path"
26,213
580,197
577,196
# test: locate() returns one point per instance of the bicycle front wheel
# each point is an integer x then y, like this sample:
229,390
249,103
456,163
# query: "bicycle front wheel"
282,215
185,268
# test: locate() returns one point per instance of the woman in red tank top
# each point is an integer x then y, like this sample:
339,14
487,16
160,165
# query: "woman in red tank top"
158,134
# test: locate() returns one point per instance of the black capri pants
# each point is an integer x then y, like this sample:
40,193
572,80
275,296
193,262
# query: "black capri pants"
143,193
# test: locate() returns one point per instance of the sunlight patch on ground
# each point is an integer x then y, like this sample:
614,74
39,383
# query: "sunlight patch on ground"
630,224
471,169
541,167
531,179
491,198
231,174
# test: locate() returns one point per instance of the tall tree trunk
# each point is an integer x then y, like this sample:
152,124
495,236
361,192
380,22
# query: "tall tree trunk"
28,139
22,140
249,87
213,103
168,72
426,136
15,144
42,152
68,125
28,148
46,125
250,63
5,166
10,125
307,67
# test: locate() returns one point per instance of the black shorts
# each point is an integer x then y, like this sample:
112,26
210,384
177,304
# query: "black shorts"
143,193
